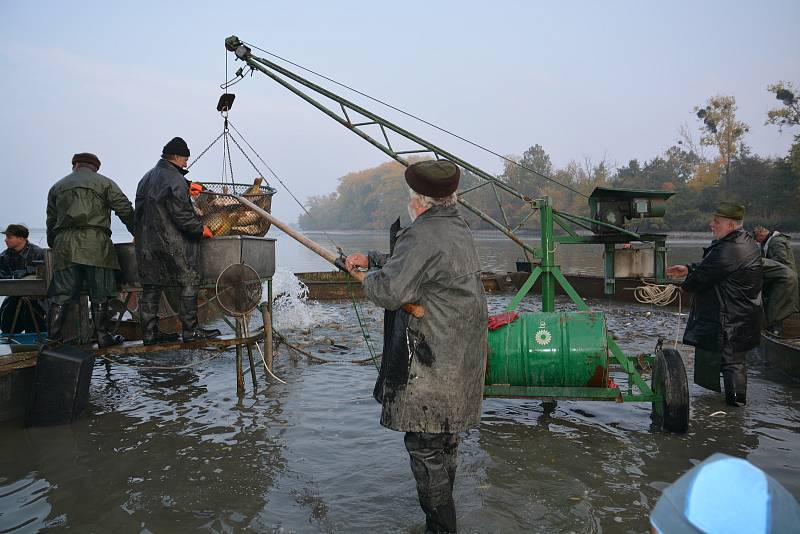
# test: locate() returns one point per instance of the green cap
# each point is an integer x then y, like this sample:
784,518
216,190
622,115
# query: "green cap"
730,210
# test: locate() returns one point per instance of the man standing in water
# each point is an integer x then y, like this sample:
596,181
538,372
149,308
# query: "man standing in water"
724,319
79,236
432,373
168,232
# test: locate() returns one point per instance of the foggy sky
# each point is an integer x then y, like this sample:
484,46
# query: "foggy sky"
597,80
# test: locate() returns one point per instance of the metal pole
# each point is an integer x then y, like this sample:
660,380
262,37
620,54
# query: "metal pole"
548,257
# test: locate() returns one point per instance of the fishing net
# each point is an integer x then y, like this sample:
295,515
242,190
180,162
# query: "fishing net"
225,215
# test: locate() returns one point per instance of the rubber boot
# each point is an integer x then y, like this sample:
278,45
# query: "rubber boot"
735,381
188,317
101,315
148,316
430,455
55,321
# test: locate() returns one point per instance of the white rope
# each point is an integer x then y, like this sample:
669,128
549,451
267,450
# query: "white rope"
660,295
263,359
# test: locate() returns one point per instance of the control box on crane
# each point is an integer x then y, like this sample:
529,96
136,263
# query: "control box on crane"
619,206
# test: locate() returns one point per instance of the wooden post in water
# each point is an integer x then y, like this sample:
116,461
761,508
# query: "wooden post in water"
252,366
239,368
267,318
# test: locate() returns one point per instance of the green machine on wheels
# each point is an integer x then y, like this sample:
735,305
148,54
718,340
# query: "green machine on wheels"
546,354
568,355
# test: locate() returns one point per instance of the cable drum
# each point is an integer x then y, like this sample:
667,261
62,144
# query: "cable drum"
225,215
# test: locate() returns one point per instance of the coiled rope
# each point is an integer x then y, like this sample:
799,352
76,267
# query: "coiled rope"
660,295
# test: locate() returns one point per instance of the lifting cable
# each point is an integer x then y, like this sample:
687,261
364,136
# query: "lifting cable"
420,119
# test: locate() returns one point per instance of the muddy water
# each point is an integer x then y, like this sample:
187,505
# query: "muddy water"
176,451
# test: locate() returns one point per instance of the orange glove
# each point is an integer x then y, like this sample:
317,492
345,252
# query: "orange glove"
207,231
195,189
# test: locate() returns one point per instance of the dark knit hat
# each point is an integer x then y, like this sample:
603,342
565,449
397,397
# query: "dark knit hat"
730,210
177,146
435,179
86,157
16,230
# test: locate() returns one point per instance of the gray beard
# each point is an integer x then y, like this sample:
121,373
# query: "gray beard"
411,213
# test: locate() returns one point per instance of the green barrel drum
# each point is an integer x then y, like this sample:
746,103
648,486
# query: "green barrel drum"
550,349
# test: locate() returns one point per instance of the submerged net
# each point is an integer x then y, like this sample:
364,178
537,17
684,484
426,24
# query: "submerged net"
225,215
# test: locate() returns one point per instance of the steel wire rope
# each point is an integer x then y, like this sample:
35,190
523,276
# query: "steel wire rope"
420,119
359,315
274,174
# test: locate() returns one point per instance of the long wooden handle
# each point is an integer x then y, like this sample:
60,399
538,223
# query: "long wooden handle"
414,309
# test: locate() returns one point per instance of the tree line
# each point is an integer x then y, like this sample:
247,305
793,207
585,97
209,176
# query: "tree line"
703,167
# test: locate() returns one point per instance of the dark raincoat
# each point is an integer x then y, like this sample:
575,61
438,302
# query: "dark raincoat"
79,219
726,309
15,264
432,377
167,228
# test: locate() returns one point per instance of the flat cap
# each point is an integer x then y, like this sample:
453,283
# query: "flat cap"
176,146
86,157
435,179
730,210
16,230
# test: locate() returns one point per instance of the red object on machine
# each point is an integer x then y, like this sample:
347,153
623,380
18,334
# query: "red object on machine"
496,321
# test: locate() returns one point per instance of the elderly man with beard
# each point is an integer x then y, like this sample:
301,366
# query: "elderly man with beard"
431,378
724,319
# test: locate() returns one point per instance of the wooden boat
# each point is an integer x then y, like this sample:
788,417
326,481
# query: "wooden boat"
336,285
782,353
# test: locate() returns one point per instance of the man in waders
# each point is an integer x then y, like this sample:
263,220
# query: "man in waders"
168,232
79,236
431,378
723,323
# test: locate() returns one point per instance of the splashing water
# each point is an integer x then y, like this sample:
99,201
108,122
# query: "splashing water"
290,306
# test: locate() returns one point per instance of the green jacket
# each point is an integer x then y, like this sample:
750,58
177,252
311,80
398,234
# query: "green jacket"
79,219
778,247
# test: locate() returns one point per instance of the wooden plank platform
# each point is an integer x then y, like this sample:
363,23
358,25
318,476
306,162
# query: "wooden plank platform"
136,347
21,360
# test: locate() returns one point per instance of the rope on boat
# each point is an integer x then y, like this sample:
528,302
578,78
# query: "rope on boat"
660,295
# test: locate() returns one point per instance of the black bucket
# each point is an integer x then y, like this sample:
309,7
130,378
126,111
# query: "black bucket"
61,386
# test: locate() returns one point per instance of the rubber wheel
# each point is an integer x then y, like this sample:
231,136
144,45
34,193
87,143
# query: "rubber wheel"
669,380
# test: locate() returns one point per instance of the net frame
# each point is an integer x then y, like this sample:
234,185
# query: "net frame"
239,289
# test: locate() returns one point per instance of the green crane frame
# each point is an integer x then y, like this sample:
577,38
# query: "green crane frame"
547,270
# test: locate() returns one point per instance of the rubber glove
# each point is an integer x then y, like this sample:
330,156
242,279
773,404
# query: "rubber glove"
207,232
195,189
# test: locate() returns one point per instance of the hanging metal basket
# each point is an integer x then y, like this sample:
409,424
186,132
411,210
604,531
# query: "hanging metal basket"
225,215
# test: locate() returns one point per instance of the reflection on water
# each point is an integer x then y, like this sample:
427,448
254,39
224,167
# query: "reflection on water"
175,451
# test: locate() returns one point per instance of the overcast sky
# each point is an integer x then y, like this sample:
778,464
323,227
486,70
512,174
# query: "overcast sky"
612,80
